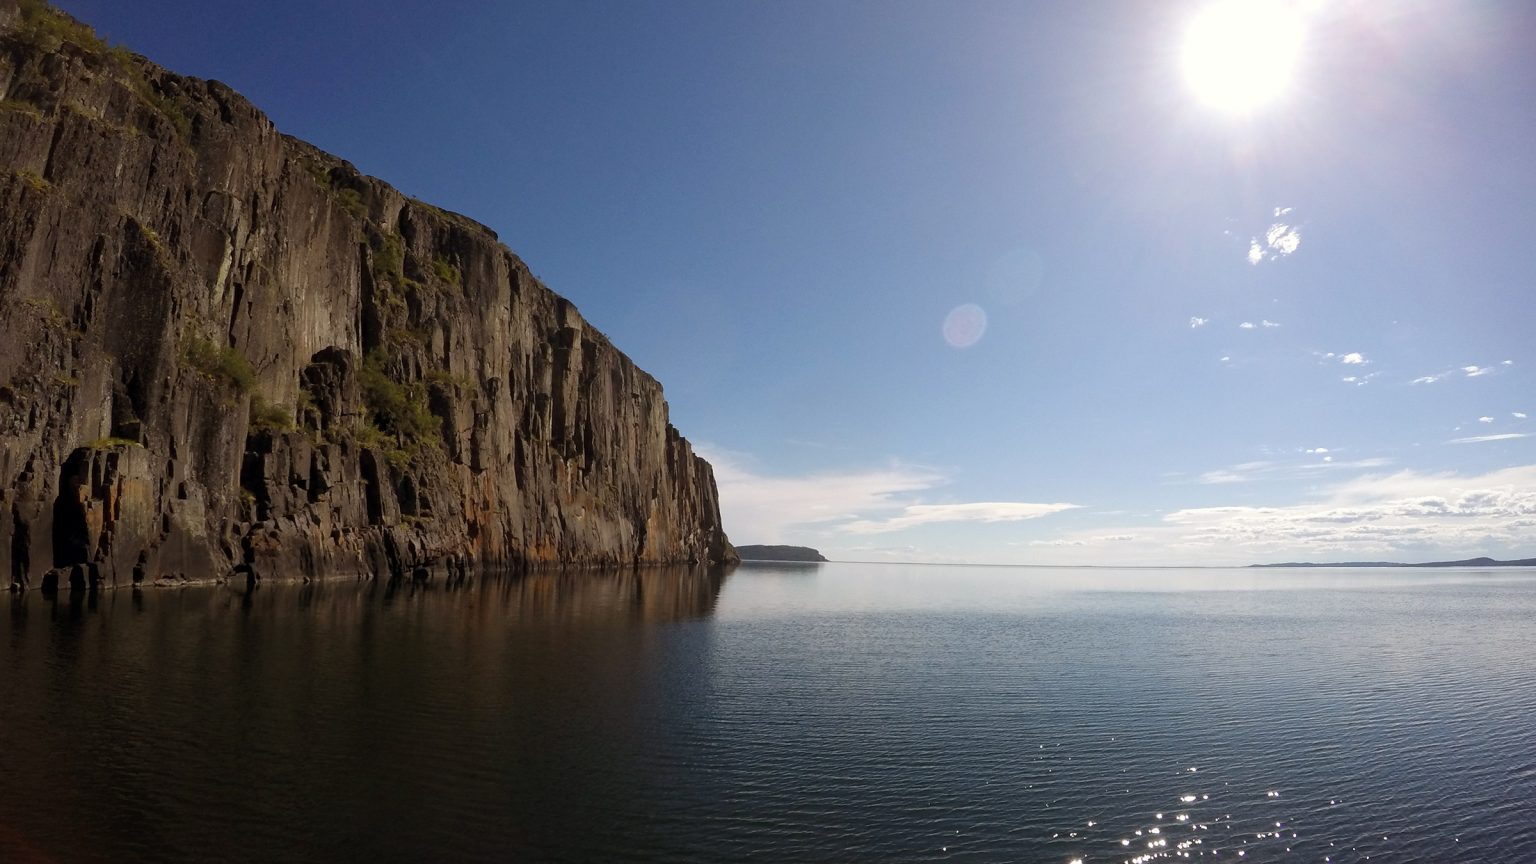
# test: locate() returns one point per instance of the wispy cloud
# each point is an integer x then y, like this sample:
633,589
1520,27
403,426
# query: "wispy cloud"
1518,415
1267,323
1195,321
1481,439
758,507
1249,472
928,514
1373,514
1485,419
1280,240
1086,540
1247,325
1353,359
1406,515
1236,474
1472,371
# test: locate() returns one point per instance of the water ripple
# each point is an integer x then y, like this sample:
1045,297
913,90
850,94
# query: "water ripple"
926,714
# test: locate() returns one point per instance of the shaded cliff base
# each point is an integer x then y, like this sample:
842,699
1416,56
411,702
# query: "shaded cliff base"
654,594
85,581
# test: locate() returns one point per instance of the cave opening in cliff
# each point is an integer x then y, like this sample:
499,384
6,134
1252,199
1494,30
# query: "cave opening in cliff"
71,531
128,405
371,492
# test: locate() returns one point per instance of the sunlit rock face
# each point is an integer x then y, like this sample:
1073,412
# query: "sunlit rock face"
225,350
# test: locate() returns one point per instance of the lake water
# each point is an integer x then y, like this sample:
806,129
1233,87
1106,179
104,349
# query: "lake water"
836,713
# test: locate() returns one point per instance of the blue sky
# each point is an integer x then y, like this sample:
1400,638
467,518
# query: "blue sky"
775,207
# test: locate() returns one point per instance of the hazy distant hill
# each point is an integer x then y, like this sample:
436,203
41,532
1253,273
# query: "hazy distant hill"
1469,562
778,553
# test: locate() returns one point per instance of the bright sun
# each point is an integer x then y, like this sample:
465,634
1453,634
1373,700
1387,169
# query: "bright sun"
1240,54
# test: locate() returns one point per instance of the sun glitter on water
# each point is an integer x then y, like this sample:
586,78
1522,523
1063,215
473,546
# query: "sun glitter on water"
1240,55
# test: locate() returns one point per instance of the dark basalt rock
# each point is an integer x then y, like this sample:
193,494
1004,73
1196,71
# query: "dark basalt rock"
225,347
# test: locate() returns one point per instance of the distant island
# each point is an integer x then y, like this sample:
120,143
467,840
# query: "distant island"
1469,562
779,553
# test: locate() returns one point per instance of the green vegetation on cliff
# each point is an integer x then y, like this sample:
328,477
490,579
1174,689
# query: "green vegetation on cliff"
220,364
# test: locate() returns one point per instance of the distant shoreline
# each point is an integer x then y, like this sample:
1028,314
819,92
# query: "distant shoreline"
1467,562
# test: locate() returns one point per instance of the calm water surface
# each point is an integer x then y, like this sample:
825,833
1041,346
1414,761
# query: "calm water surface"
839,713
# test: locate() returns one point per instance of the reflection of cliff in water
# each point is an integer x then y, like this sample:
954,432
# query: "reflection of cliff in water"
782,568
649,594
515,706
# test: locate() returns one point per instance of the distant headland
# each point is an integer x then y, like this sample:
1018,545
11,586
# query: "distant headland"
779,553
1468,562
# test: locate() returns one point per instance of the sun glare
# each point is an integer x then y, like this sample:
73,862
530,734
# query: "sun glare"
1241,54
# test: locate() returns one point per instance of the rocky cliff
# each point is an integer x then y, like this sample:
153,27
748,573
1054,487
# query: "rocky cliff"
224,351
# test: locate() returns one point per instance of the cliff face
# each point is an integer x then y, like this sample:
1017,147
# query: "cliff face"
221,347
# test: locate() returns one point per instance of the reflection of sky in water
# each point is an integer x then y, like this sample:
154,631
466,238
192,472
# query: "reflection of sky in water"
1161,714
829,713
897,587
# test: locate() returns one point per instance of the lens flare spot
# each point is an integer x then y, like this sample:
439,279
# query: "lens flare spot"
964,325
